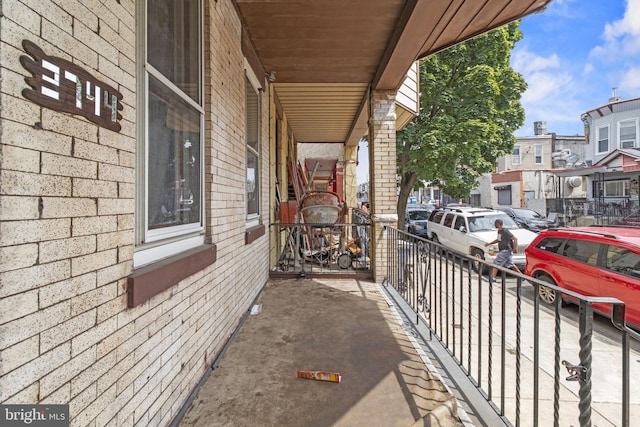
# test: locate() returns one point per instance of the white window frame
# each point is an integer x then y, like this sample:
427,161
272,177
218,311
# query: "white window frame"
154,245
538,150
628,124
516,159
598,139
623,184
253,219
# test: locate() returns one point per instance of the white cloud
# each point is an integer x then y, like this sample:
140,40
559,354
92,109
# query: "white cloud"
560,9
588,69
526,62
551,91
544,76
621,37
630,81
543,87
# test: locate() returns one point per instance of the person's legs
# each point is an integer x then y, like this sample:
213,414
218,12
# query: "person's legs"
509,264
501,260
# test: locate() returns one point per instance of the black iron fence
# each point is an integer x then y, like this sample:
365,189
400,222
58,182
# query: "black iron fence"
533,363
603,212
304,248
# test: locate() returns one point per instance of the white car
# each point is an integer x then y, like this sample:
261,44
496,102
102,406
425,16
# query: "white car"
468,229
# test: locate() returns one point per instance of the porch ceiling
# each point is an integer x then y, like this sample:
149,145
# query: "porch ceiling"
326,54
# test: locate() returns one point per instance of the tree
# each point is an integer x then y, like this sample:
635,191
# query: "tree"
469,109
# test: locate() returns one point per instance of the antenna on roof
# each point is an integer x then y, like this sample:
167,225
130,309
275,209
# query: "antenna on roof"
614,97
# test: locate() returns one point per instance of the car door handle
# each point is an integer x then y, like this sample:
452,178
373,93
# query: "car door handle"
609,278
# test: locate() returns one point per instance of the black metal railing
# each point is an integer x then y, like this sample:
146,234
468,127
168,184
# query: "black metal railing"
601,211
304,248
513,348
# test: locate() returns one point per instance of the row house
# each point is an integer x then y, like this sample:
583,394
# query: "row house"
612,170
594,176
526,177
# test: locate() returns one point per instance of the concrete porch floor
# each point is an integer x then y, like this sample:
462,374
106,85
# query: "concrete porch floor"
347,326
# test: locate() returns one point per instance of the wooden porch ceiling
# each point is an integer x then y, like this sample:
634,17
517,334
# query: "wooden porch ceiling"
326,54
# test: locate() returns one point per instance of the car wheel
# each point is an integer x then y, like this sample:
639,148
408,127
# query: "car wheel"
437,249
479,267
547,295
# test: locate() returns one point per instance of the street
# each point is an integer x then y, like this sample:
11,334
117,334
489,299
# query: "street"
466,312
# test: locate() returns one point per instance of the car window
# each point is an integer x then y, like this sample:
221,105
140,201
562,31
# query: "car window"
623,261
581,250
550,244
481,223
488,222
459,223
436,216
507,221
529,214
448,220
418,215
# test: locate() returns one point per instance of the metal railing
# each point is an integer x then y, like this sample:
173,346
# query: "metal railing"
305,248
513,348
603,212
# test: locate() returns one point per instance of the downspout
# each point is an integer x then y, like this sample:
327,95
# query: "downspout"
522,201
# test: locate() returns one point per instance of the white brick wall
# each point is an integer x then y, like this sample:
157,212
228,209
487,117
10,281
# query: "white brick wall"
67,200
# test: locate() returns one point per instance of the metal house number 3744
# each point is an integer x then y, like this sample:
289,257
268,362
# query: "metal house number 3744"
63,86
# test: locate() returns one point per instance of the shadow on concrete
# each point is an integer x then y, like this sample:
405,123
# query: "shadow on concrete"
344,326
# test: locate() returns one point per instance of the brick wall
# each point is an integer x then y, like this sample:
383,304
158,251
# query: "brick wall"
67,189
382,175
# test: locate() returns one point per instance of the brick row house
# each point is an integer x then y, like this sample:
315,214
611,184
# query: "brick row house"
590,178
144,146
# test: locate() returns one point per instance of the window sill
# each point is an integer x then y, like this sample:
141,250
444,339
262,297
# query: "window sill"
253,234
150,280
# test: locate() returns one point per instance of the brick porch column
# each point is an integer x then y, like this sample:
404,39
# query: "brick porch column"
382,176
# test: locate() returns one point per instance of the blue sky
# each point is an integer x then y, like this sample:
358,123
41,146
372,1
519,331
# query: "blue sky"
572,56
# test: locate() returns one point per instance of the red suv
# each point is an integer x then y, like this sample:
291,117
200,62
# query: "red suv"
594,261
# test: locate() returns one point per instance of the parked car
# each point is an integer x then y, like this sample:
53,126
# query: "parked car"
594,261
528,218
417,217
467,229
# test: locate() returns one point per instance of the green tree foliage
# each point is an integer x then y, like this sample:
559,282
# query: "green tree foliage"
469,109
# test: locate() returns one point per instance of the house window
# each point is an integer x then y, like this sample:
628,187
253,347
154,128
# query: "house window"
515,156
627,131
252,105
617,188
538,154
603,139
169,189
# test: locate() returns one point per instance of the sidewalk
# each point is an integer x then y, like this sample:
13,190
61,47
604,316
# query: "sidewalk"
345,326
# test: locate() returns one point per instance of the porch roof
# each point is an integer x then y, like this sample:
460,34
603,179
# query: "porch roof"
327,55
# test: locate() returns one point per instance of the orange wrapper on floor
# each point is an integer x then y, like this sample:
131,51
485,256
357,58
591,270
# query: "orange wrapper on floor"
320,376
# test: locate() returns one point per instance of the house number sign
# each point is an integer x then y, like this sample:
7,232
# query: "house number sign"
63,86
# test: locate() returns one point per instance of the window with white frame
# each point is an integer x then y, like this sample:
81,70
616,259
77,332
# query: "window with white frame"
538,154
617,188
603,139
516,159
627,132
252,106
169,190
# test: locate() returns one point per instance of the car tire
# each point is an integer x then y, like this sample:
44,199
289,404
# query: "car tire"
437,249
478,267
547,295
